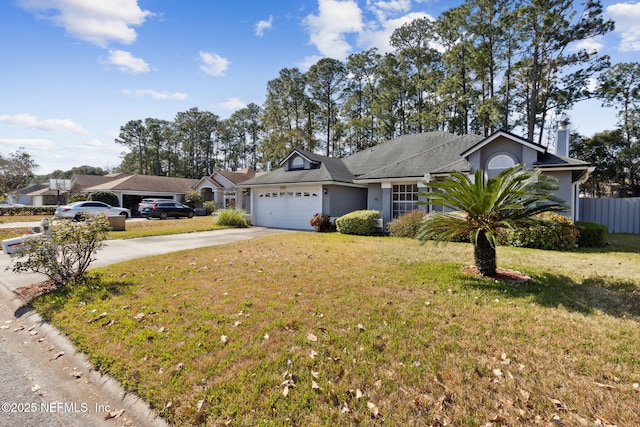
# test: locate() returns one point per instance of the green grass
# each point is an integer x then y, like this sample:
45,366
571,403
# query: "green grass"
138,228
376,322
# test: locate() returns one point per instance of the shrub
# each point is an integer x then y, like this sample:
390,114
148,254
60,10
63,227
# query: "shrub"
557,233
362,223
209,207
232,218
65,256
108,197
28,210
407,225
321,222
592,235
78,197
193,199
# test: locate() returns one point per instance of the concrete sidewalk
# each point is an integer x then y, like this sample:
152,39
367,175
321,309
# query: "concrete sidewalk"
45,380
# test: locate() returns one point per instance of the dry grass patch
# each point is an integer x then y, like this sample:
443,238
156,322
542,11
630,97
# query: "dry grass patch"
327,329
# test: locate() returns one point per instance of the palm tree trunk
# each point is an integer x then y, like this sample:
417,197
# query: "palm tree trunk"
484,255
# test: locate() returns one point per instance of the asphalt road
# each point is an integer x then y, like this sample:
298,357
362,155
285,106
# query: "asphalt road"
44,380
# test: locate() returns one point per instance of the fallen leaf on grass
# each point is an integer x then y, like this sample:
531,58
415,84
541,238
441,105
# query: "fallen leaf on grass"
373,409
311,337
315,386
499,420
560,406
607,386
636,386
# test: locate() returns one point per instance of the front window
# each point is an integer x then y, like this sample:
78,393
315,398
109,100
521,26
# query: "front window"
404,199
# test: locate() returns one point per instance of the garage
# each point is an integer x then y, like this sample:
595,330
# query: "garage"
286,207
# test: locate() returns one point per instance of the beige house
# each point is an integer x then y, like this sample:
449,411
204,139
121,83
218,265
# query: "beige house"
222,188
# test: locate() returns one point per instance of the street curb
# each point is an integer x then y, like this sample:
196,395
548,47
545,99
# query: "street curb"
136,411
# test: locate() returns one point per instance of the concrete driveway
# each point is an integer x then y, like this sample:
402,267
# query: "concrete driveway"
45,380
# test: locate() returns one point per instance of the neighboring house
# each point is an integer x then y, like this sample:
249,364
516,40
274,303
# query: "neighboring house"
37,195
223,189
389,177
131,189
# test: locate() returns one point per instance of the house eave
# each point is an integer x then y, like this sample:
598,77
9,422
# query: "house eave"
303,183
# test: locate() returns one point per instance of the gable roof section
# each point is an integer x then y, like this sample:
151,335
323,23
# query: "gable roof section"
503,133
331,170
432,152
147,183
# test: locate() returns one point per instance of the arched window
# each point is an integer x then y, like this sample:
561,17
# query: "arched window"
500,162
297,163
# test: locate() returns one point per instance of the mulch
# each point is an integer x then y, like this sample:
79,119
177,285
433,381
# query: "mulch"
502,274
33,290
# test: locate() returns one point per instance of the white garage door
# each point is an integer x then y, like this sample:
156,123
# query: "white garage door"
289,208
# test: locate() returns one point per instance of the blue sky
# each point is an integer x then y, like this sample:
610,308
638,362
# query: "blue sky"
74,71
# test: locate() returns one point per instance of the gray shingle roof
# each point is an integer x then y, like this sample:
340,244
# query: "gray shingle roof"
146,183
432,152
331,170
407,156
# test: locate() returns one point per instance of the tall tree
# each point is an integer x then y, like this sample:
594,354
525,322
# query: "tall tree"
325,83
196,131
16,171
414,44
557,69
288,119
619,87
602,151
133,135
361,90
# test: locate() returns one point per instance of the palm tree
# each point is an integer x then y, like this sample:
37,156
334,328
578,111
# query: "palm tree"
482,208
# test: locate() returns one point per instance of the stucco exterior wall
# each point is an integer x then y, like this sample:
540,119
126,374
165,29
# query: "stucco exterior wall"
341,200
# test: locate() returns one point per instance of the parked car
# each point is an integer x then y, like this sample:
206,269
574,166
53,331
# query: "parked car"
76,210
165,209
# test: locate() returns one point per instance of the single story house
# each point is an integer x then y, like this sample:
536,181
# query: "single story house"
131,189
222,188
390,176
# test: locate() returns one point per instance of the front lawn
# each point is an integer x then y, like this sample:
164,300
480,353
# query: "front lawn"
330,329
148,228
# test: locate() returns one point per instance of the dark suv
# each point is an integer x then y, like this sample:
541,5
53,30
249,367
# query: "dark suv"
165,209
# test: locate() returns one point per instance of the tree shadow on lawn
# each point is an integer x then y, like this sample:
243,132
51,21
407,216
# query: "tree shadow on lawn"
595,294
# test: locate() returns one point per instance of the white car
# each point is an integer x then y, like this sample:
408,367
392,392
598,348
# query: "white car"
76,210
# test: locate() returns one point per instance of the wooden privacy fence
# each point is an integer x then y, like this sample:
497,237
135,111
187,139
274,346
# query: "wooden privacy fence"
620,215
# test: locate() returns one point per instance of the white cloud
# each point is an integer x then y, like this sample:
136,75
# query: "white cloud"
214,64
94,143
626,17
384,9
36,144
263,25
154,94
308,61
590,45
54,125
232,104
378,34
127,62
328,29
97,22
